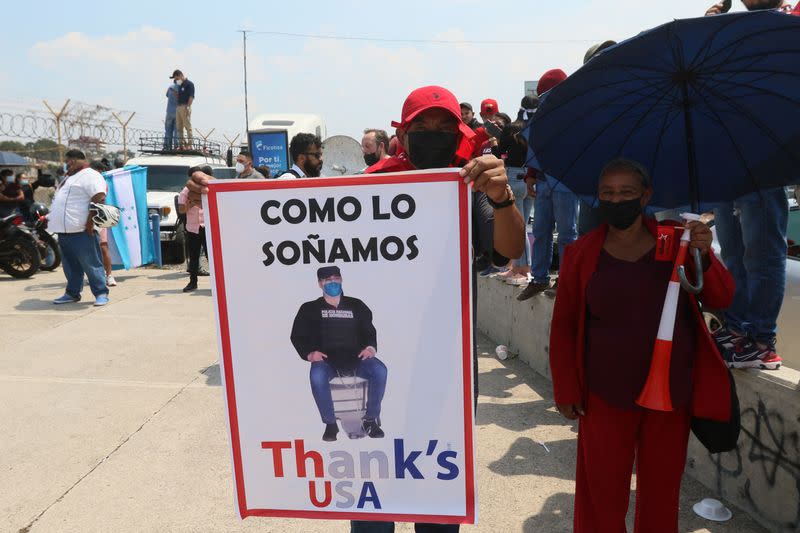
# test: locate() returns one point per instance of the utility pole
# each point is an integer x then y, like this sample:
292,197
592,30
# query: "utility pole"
57,117
244,54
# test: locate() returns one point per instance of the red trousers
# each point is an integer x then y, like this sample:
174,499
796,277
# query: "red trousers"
609,440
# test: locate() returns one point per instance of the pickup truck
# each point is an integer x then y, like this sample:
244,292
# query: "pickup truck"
167,173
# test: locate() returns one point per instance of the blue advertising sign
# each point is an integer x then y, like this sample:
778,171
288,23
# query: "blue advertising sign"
270,149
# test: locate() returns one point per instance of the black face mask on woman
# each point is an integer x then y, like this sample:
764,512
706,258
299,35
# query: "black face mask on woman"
432,149
620,215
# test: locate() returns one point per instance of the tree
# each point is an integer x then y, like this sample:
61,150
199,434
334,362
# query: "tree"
13,146
44,149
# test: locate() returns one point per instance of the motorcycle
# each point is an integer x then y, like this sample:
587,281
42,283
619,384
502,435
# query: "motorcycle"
19,254
48,245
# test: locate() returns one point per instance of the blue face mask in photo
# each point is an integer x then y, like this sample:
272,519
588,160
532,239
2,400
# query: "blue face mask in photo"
332,288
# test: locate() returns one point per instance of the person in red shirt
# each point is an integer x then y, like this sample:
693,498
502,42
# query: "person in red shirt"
488,111
430,135
606,317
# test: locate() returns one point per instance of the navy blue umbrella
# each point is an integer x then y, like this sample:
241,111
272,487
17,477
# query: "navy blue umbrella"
711,106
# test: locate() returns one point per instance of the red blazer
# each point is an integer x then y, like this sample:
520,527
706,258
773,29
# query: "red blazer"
711,397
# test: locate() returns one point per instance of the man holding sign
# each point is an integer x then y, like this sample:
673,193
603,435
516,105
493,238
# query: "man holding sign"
335,334
431,135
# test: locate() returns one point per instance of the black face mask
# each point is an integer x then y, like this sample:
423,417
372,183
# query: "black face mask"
432,149
371,159
620,215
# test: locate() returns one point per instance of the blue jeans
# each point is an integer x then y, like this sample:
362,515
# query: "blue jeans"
372,369
80,254
754,251
170,132
520,190
552,210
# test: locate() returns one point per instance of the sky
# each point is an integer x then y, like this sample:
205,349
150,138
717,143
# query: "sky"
92,52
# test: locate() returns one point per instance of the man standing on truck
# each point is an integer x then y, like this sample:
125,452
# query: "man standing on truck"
183,115
170,127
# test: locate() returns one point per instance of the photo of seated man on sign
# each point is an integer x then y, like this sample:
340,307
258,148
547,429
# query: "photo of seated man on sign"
336,335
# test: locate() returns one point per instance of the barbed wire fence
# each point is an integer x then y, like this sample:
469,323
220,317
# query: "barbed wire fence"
77,124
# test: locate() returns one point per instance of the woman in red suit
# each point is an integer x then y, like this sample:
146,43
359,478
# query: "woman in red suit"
611,291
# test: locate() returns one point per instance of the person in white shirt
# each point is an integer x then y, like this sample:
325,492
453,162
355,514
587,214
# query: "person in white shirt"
306,152
71,219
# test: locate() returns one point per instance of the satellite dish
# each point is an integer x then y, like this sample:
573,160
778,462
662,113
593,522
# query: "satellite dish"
342,156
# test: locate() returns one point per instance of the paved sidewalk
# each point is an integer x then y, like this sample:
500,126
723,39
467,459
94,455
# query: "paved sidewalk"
113,421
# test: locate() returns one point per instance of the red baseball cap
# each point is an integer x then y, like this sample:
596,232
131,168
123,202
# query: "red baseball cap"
489,107
426,98
429,97
433,96
550,79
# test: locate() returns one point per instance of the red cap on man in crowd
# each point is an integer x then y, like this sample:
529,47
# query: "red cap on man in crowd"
426,98
550,79
489,107
430,97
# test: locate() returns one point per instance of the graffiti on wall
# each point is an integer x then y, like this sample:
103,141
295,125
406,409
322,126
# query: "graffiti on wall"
765,468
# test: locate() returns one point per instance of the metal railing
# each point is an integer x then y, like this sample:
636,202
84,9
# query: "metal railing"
157,144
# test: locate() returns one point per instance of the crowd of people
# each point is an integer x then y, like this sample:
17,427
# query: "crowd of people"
607,282
609,285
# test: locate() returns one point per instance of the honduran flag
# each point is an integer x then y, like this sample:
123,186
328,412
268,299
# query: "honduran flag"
129,242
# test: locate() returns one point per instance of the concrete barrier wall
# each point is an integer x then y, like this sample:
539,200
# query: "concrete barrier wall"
762,476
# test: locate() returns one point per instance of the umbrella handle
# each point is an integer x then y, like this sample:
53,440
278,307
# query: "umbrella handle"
698,269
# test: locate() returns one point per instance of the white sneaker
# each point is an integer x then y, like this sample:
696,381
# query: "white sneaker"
517,279
110,281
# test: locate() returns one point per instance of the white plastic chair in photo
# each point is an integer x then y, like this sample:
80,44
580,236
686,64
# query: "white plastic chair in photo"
349,393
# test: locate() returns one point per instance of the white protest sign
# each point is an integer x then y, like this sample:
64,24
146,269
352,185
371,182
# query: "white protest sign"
344,317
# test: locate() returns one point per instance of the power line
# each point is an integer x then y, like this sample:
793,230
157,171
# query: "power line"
415,41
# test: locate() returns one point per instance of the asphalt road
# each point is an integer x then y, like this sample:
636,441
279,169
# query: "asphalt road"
113,421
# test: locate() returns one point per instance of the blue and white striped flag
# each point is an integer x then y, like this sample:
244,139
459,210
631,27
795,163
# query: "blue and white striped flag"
129,242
